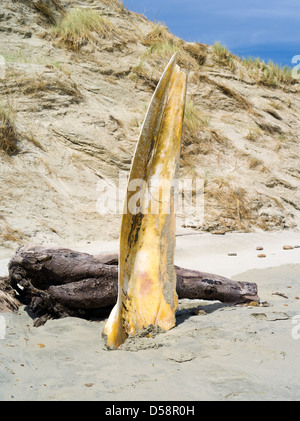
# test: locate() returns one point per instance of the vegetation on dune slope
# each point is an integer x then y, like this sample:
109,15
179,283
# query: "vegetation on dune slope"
82,87
79,26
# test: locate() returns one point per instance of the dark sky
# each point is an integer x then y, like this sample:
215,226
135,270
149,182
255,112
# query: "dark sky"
269,29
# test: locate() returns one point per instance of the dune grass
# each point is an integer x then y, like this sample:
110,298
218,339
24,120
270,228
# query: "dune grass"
254,133
198,51
198,137
159,33
81,26
221,53
59,83
10,234
160,52
232,202
163,44
268,74
226,90
223,56
45,10
9,135
193,118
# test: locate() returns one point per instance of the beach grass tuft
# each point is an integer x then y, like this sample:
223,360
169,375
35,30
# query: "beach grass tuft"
9,135
45,10
193,119
269,74
81,26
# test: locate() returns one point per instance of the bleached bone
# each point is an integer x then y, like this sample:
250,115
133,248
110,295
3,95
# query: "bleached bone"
147,280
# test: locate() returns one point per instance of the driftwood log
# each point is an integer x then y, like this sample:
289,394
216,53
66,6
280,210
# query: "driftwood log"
57,282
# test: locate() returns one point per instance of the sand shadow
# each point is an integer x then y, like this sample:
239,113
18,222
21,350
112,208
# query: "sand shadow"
185,313
40,317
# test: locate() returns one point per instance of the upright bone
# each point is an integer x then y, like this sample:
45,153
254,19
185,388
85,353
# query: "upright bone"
147,279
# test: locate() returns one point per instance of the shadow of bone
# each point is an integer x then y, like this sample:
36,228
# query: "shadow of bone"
185,310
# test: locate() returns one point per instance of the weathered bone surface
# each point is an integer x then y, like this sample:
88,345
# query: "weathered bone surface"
61,282
147,279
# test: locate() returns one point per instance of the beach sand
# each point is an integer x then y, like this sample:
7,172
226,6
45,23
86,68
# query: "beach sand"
222,353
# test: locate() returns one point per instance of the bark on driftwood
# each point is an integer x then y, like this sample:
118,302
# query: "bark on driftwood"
61,282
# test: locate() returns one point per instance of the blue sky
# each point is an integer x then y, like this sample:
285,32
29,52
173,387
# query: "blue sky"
269,29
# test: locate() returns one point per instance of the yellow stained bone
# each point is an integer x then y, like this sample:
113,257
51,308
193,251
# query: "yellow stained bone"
147,280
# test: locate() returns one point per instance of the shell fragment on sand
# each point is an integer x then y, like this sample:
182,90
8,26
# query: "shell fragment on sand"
147,280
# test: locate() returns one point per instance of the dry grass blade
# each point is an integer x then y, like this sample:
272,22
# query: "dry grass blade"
197,51
158,34
242,101
198,138
9,135
115,4
255,162
220,53
193,119
59,6
163,44
254,133
35,86
160,52
11,234
45,10
232,202
223,56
